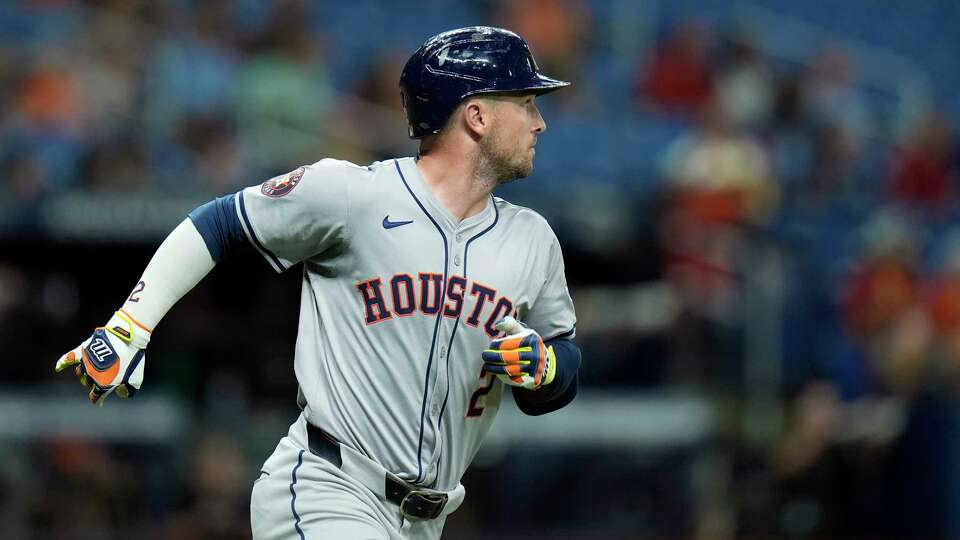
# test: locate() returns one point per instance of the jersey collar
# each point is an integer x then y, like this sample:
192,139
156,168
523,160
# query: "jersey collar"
419,186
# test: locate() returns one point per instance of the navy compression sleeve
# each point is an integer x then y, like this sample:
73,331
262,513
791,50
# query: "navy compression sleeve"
219,226
563,388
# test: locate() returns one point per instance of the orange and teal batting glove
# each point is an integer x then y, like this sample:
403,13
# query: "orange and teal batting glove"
520,358
111,360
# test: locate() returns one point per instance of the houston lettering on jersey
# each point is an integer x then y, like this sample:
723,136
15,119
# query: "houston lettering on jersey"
404,295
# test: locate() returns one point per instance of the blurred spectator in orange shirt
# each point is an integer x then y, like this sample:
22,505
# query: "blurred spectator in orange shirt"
47,98
720,174
719,188
885,282
943,304
44,127
719,183
882,306
554,29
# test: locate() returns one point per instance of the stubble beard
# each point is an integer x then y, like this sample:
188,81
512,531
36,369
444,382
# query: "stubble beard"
499,162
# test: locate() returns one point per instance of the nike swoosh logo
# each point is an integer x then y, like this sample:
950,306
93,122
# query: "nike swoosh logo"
387,224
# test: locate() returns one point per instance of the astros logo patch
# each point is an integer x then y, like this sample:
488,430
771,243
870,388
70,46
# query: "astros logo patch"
278,186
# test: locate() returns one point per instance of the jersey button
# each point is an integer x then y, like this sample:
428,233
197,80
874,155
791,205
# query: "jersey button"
459,237
435,410
443,352
456,259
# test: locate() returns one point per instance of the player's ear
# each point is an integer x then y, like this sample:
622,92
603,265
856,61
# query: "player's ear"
477,116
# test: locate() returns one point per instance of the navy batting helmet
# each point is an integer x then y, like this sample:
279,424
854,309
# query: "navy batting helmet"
465,62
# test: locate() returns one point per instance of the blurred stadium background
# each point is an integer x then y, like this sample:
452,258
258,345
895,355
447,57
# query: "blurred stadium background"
758,207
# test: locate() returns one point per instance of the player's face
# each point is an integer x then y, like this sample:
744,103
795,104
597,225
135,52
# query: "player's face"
510,146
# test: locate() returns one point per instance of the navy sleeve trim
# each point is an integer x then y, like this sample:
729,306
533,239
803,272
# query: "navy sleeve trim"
248,229
563,388
219,226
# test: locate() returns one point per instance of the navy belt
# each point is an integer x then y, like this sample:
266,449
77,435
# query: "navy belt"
415,503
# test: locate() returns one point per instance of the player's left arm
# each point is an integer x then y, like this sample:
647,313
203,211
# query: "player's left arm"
539,358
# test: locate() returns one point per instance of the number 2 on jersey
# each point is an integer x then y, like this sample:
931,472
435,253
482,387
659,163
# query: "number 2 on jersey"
475,410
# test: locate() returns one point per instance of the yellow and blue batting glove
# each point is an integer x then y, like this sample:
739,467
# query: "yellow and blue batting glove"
111,360
520,358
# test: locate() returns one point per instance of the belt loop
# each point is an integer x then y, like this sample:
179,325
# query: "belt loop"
324,445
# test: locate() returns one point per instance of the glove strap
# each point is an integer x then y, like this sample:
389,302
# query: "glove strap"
128,329
551,368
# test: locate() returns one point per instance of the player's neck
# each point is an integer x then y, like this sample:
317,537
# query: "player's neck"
452,179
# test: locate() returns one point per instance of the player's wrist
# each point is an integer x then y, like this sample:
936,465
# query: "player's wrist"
128,329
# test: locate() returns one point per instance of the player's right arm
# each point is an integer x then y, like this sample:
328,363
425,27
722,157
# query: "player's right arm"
285,224
112,359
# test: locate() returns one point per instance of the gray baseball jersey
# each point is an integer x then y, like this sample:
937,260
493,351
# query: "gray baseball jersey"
398,301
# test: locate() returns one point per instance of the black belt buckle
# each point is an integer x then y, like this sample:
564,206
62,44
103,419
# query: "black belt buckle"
418,504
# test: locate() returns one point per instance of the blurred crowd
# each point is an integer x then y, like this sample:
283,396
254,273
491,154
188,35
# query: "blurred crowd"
120,96
788,170
809,241
862,224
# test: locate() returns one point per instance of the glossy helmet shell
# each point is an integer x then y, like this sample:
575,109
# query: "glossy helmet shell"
465,62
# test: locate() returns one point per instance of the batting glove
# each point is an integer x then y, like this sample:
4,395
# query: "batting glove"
520,358
111,360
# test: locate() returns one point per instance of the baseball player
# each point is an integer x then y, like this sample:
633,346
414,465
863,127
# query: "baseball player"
415,280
